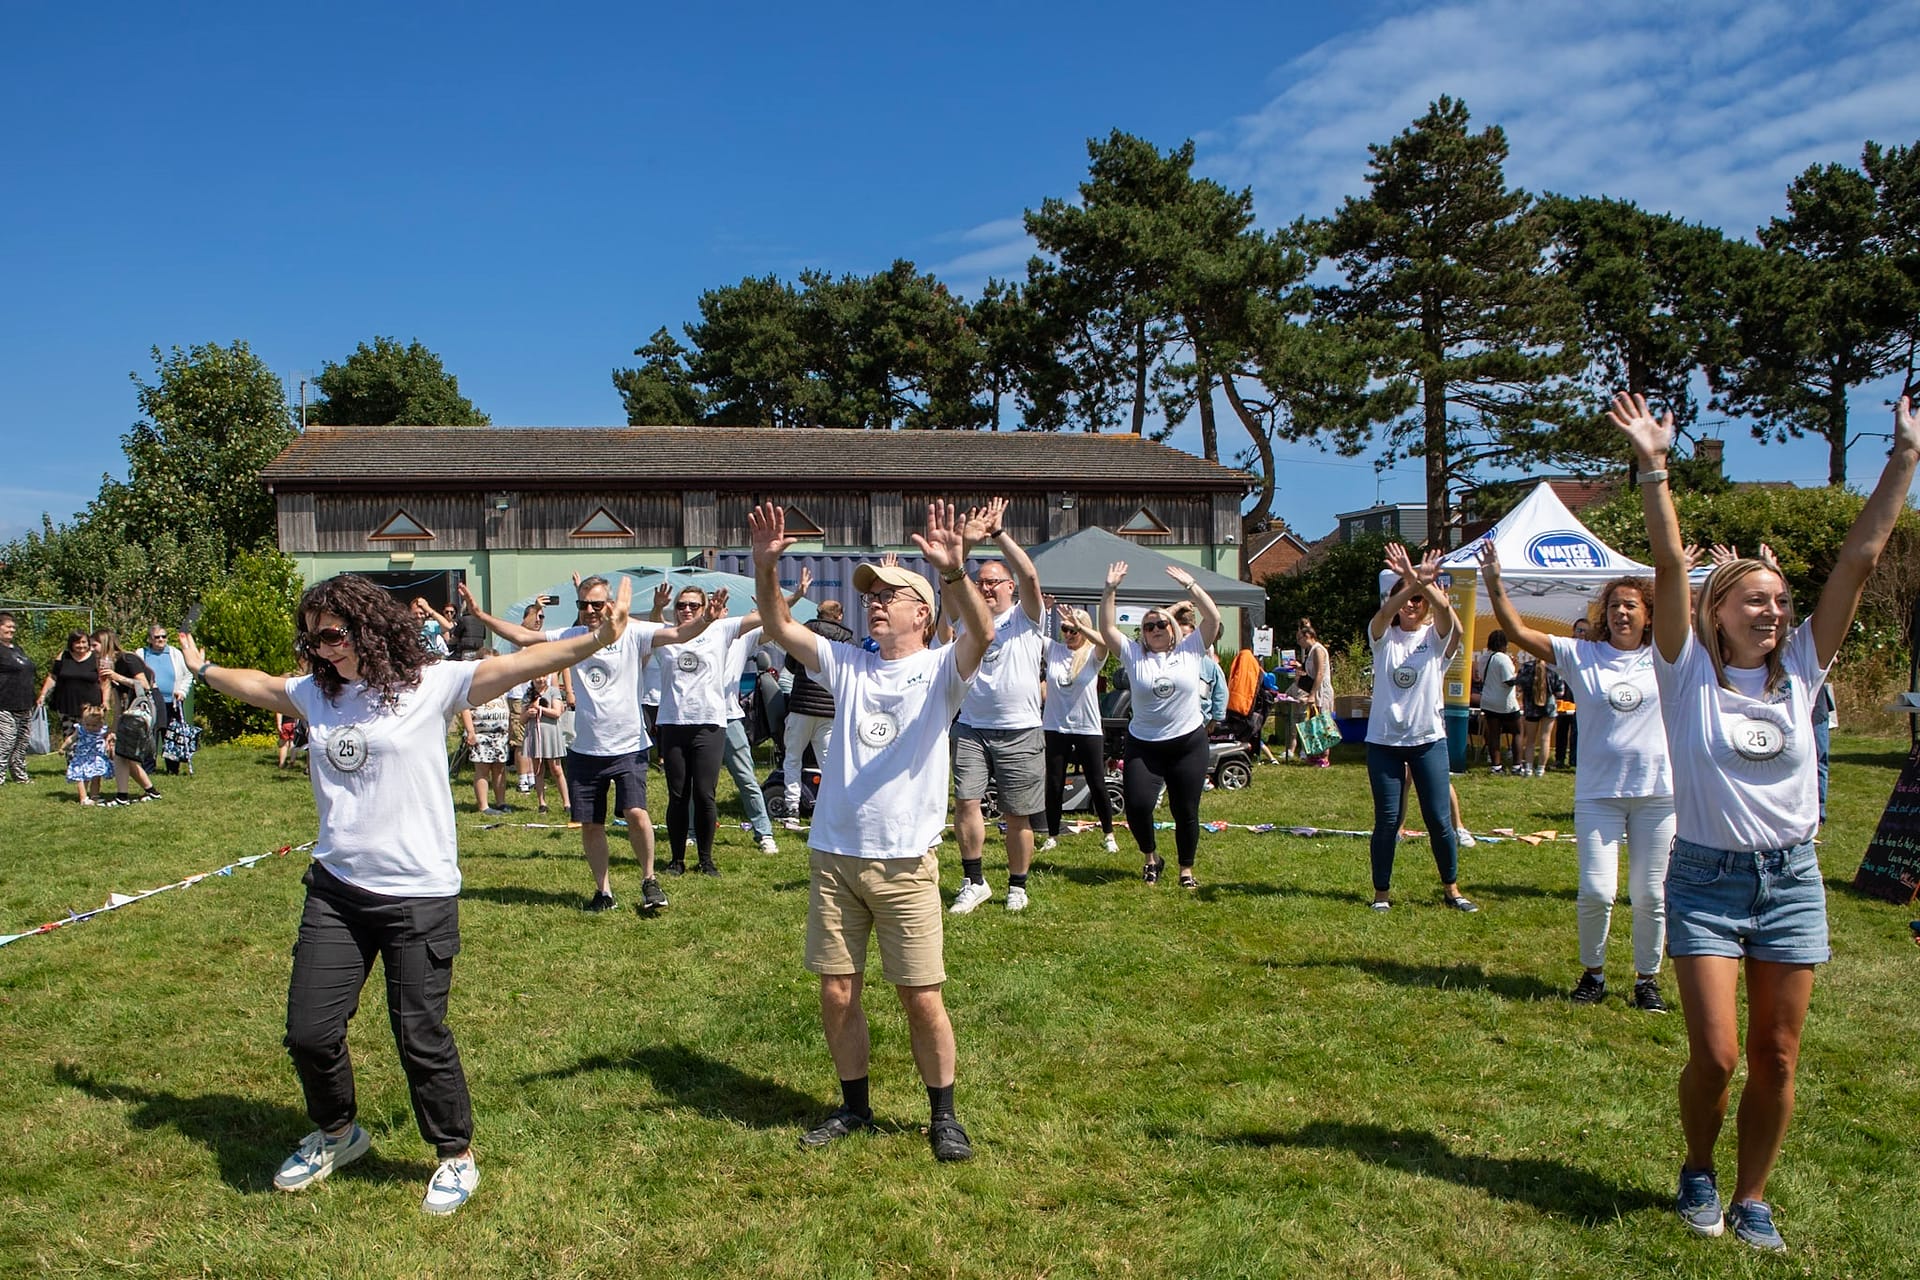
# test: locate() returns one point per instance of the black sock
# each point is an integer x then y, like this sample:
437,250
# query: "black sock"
940,1098
1017,882
973,871
853,1096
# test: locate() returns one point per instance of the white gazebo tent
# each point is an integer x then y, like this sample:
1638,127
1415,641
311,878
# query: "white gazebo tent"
1551,564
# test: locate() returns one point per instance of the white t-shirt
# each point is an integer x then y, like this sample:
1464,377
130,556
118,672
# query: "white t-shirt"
1748,774
1623,742
739,653
1005,693
1409,676
380,782
693,676
650,680
1497,693
606,692
1073,702
883,784
1167,688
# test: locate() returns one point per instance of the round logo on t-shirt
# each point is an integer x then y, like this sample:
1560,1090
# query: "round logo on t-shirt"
992,655
1625,697
1163,686
1065,679
595,674
879,728
688,661
347,749
1757,739
1405,677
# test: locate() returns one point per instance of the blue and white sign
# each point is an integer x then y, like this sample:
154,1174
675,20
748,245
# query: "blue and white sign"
1565,549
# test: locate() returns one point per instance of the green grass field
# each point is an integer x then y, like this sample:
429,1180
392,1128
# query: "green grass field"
1260,1079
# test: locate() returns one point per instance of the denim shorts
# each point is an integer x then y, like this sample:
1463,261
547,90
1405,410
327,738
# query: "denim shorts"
1770,905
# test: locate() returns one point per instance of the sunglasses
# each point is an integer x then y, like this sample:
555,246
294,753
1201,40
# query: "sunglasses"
1157,624
687,604
326,635
592,604
1069,631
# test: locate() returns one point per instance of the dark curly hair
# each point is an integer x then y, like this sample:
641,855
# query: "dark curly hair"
384,632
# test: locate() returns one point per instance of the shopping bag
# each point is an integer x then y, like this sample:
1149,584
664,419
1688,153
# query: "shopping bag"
39,741
1318,735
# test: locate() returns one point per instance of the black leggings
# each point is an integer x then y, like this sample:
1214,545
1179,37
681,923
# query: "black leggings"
1087,752
1180,765
691,756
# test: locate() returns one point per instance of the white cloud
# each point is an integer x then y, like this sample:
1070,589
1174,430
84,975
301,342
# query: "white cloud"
1705,110
1002,248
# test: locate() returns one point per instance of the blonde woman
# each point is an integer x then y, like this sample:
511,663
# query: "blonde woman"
1071,720
1737,681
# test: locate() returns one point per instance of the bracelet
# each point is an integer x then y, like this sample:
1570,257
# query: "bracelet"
203,668
1653,477
953,577
994,533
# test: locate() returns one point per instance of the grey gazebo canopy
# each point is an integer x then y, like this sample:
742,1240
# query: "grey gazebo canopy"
1075,568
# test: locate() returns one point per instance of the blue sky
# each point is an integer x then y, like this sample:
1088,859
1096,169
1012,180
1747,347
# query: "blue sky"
532,193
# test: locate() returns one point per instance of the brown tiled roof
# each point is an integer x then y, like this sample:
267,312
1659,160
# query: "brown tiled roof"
722,457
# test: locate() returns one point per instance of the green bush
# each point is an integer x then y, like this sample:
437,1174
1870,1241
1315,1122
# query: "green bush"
247,621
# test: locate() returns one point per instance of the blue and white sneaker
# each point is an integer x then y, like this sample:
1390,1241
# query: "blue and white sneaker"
451,1184
318,1156
1699,1202
1753,1224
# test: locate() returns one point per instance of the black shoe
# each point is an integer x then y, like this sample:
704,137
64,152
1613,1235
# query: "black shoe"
1466,906
708,869
1151,871
1646,996
841,1124
949,1140
152,794
1591,989
676,868
598,902
651,898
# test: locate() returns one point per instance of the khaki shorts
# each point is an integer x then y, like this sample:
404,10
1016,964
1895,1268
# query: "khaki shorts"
896,898
516,722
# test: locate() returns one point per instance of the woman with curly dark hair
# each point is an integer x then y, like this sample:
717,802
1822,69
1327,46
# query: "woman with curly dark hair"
385,877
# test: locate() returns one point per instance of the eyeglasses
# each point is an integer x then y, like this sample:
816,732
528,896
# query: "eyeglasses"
988,584
326,635
687,604
1069,631
593,604
1156,624
885,598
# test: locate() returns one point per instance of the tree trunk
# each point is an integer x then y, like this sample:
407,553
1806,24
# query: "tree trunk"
1140,379
1837,430
1434,405
1262,509
1209,430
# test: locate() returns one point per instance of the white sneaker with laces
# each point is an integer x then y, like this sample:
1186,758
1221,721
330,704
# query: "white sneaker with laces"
452,1183
794,824
1049,845
1016,898
970,896
769,845
318,1156
1113,846
1466,839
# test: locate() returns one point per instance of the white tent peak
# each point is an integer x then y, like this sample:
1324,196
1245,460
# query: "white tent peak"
1540,538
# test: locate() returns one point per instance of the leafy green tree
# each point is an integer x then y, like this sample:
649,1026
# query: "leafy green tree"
1470,335
748,355
387,384
248,621
661,392
1895,174
1012,354
1337,588
1820,308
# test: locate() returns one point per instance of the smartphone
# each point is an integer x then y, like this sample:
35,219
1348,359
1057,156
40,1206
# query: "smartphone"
549,599
191,620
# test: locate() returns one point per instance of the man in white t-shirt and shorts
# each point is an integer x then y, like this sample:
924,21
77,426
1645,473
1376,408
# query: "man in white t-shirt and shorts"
999,737
609,749
881,808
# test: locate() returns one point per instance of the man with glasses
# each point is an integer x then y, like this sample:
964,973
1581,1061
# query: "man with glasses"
881,808
999,735
171,680
610,741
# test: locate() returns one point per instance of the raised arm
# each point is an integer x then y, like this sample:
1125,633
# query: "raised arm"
445,622
1209,611
1840,597
495,675
682,632
1534,642
945,546
988,524
256,688
794,597
1399,563
511,632
1110,608
661,595
1065,615
1651,438
767,536
1446,621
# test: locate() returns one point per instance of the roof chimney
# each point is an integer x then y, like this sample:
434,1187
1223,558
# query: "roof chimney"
1710,452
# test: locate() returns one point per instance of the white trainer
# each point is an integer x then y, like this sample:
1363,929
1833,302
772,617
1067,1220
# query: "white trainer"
1466,839
1016,898
1049,845
769,845
318,1156
971,895
452,1183
794,824
1113,846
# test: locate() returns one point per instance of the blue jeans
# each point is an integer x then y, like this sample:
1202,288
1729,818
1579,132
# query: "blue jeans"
739,762
1822,741
1428,765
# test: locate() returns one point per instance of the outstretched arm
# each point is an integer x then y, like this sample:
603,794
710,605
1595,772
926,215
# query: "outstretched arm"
1064,614
1535,642
767,535
495,675
988,523
1840,598
445,622
511,632
682,632
1401,565
1110,608
256,688
1209,611
1651,438
945,546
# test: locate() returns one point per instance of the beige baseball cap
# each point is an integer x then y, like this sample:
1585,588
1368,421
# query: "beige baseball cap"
867,575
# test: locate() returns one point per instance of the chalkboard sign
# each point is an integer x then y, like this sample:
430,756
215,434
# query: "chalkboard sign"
1891,869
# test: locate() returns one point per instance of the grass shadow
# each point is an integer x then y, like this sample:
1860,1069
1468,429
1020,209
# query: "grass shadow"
1442,977
1489,889
1209,890
1892,758
1091,877
706,1085
514,895
249,1138
1550,1186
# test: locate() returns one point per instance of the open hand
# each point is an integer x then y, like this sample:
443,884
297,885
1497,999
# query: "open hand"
945,544
1180,576
981,521
806,579
190,650
1490,563
614,621
1116,573
1651,437
717,604
1906,430
767,532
